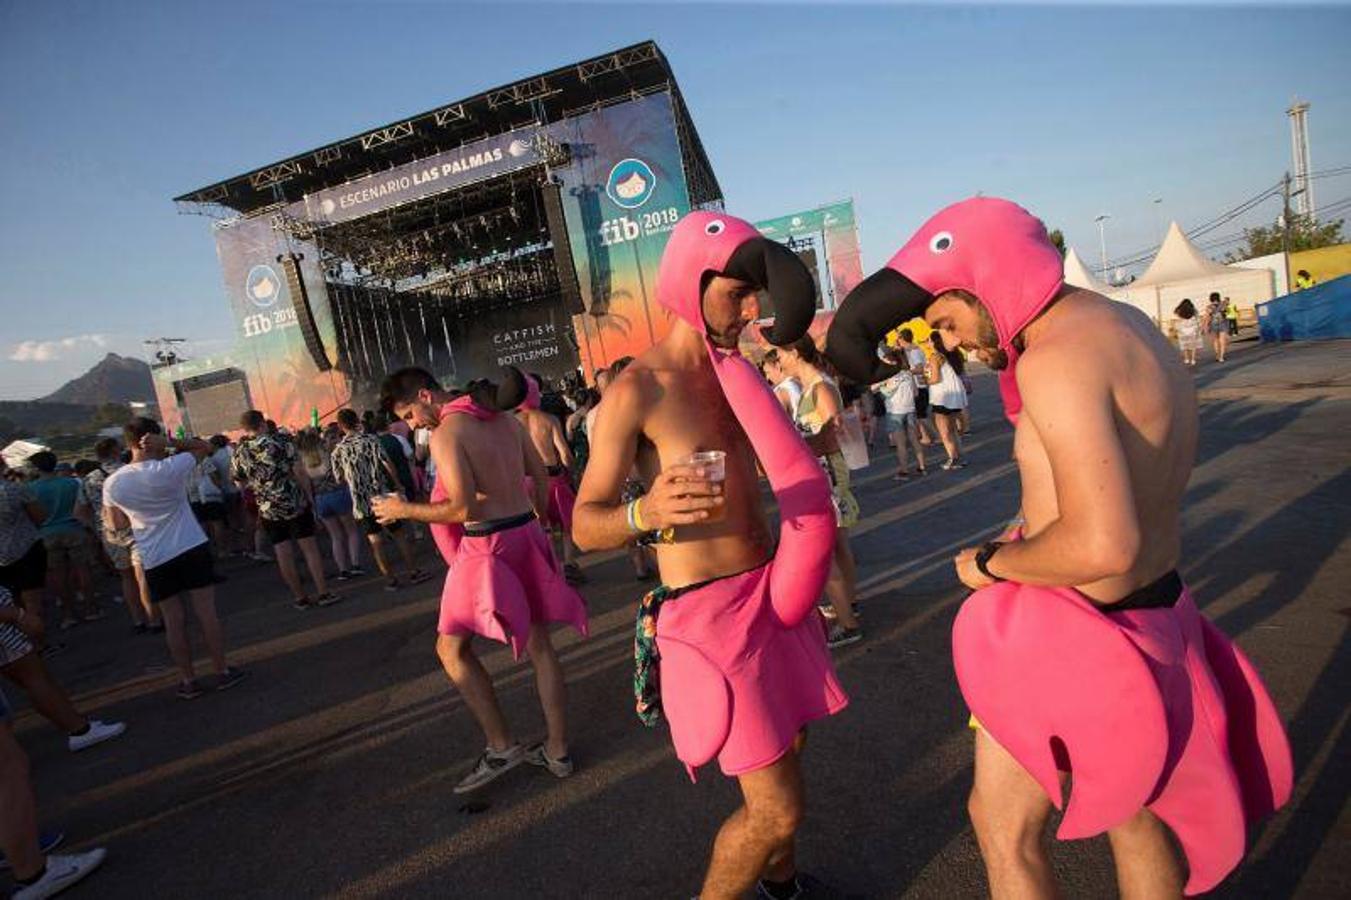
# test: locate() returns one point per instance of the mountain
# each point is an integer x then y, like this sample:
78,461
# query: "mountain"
115,379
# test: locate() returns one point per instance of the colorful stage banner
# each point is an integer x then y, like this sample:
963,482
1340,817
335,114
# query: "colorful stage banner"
834,231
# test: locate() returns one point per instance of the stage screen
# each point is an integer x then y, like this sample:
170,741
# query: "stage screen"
215,408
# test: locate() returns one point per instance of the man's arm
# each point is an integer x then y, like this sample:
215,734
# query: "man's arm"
1097,532
534,470
455,475
679,495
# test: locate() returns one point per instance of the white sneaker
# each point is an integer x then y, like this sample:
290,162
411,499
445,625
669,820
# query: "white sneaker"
98,733
536,755
489,767
62,872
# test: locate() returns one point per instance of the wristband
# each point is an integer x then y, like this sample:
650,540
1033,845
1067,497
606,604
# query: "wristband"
983,556
631,514
638,515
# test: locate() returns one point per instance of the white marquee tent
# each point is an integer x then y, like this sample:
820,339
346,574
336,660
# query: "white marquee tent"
1077,274
1179,271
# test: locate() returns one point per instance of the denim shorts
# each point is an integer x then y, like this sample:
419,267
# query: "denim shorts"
899,423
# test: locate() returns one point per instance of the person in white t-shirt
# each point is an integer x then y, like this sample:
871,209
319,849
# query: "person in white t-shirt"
898,395
150,496
915,356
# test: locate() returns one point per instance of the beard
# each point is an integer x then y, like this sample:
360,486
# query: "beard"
987,346
726,340
994,358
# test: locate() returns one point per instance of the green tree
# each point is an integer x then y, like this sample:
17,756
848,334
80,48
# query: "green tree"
1058,238
1305,234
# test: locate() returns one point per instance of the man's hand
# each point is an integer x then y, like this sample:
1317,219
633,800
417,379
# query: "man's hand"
967,573
153,444
389,508
680,495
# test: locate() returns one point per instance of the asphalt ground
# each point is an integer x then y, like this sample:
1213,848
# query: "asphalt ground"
328,772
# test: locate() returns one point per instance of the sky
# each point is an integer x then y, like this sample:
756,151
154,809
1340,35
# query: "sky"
107,111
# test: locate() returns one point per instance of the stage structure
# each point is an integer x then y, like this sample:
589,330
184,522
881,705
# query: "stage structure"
826,240
522,225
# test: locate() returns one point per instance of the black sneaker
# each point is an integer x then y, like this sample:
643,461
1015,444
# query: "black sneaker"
805,887
327,598
843,637
341,576
489,767
189,690
356,571
230,677
560,767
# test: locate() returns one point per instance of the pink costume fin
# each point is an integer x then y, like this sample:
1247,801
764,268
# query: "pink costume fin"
1007,648
496,605
1155,709
702,706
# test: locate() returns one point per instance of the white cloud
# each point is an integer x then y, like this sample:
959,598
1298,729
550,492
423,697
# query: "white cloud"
49,351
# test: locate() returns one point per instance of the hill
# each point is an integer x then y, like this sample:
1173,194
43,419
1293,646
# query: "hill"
114,379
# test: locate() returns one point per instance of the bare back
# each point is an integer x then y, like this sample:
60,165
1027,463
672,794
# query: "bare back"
1151,400
490,462
543,429
663,407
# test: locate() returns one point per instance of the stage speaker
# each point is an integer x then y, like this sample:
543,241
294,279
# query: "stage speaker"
300,301
569,287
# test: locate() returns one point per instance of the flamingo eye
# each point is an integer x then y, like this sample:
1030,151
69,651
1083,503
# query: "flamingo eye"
716,227
941,242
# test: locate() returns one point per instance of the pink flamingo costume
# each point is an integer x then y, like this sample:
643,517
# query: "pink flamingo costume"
743,661
1149,707
503,576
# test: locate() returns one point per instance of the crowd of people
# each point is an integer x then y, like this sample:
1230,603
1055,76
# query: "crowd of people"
662,456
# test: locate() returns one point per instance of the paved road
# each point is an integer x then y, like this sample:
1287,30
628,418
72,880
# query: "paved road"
328,773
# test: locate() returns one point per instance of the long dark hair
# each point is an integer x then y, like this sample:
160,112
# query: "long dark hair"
1186,309
954,357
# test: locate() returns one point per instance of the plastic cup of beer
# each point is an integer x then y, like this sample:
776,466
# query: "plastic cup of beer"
714,465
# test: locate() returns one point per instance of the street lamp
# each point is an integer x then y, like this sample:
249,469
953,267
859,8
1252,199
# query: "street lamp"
1158,219
1102,242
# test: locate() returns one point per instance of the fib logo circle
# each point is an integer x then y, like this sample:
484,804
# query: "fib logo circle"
631,183
263,287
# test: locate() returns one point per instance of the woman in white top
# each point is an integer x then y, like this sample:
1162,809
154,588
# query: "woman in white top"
947,399
1188,331
787,389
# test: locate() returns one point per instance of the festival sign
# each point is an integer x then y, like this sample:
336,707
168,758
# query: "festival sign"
422,178
836,229
623,194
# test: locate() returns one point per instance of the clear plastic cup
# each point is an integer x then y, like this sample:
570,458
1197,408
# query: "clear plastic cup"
714,464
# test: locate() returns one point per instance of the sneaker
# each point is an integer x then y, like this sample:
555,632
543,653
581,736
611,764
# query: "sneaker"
47,842
327,598
491,766
392,585
303,603
536,755
96,733
50,650
341,576
417,576
62,872
230,677
843,637
804,888
260,557
189,690
157,628
356,571
827,610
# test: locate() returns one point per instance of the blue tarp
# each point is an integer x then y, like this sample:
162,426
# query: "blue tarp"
1316,313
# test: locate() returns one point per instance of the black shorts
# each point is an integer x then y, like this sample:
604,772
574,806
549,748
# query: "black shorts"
28,572
187,571
945,410
369,525
922,403
209,512
294,529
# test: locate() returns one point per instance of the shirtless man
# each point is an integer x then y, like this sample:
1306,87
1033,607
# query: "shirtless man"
1105,441
503,581
547,437
735,618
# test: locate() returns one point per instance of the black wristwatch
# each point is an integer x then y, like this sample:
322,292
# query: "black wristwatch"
983,555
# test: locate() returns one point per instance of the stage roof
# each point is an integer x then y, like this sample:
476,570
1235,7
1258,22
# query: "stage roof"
550,97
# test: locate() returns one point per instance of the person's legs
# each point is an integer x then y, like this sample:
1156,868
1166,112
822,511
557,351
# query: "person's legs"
219,538
947,432
143,594
897,435
1146,867
352,535
131,596
553,691
337,541
286,562
18,809
1223,342
176,636
405,550
314,561
48,698
840,582
378,551
59,581
204,607
1009,811
757,840
912,434
85,605
476,687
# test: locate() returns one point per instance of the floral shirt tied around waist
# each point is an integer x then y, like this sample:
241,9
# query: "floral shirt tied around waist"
267,464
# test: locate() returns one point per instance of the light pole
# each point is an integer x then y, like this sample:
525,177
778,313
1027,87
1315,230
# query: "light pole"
1102,243
1158,218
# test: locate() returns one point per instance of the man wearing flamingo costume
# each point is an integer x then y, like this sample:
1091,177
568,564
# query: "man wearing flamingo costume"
503,582
730,650
1081,650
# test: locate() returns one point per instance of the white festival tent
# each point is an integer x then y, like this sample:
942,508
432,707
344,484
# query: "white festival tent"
17,452
1180,271
1077,274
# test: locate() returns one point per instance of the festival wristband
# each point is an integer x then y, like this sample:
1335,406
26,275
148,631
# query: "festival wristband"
631,513
983,556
